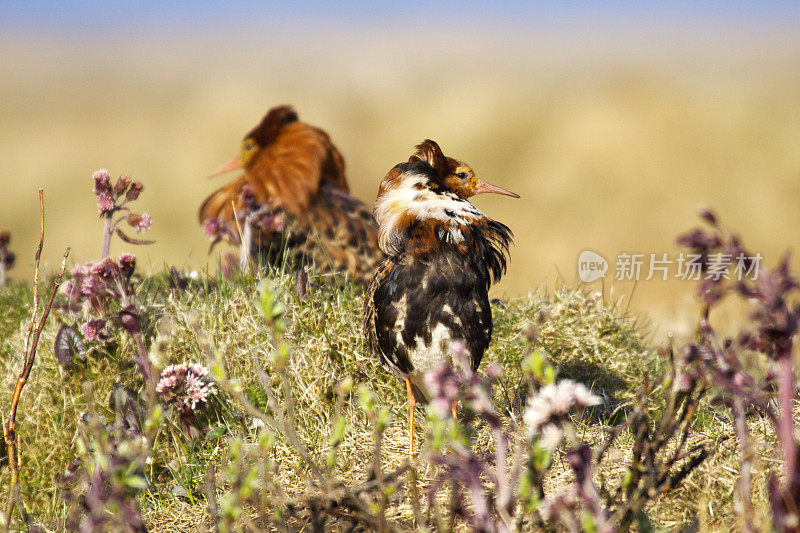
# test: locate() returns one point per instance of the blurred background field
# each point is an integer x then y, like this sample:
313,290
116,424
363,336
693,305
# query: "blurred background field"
612,120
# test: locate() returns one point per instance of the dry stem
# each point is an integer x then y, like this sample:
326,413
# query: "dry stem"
108,231
31,342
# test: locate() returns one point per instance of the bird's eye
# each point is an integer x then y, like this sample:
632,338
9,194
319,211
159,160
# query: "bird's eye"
461,175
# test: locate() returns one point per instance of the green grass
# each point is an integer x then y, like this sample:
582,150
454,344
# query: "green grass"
588,339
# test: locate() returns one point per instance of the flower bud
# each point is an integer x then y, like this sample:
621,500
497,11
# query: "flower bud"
135,190
122,184
129,320
707,214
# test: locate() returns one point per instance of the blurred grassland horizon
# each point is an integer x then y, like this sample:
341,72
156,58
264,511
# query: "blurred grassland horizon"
612,134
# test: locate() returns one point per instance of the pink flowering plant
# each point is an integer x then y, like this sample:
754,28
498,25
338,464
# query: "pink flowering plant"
451,445
112,204
101,486
726,363
188,388
104,292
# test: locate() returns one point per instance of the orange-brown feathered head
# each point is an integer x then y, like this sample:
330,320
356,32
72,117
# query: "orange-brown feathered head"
428,196
266,131
455,175
259,137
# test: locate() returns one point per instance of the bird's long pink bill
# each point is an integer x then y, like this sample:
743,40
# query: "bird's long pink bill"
233,164
488,187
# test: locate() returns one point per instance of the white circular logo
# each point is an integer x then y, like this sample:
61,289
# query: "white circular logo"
591,266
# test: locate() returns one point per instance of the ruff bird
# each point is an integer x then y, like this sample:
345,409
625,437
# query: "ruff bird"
291,205
443,253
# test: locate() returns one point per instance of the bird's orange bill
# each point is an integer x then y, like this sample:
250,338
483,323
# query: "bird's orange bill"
233,164
488,187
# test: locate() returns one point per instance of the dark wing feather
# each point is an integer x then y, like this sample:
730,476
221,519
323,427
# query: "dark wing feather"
380,316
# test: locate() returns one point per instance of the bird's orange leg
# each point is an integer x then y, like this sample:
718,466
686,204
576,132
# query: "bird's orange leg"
412,406
453,408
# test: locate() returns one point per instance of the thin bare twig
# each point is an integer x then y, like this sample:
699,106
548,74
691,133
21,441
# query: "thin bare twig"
244,250
35,328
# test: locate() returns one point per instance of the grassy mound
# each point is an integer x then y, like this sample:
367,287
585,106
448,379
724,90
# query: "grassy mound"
587,339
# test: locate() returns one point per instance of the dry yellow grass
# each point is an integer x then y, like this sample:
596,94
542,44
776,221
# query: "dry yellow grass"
588,339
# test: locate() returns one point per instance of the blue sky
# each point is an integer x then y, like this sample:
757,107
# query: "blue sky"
112,17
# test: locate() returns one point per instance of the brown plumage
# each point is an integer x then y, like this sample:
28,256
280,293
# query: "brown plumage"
295,198
443,253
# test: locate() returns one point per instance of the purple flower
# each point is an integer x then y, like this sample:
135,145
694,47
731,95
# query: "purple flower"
105,269
127,264
211,227
144,223
92,329
91,286
105,204
185,385
102,182
80,270
248,198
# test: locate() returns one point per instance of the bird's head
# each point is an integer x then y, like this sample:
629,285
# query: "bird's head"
454,175
259,137
425,201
